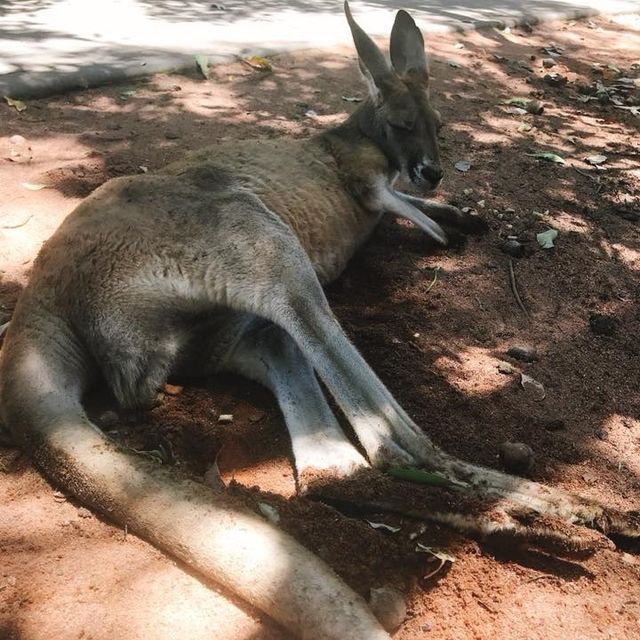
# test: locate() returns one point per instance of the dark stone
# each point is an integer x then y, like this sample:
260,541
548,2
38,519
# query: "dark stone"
603,325
513,248
523,353
555,79
516,457
554,425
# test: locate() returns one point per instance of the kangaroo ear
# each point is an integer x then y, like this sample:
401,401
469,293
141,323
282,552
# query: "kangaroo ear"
372,61
407,46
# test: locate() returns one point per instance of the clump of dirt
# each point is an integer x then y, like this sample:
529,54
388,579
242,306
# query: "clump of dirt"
435,324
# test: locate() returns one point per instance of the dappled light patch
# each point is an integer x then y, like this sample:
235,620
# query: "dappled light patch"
619,439
626,255
474,372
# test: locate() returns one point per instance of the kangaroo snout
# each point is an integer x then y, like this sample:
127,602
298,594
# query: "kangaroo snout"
426,174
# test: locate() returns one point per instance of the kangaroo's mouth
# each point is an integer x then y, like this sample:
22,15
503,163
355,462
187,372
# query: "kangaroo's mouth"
426,176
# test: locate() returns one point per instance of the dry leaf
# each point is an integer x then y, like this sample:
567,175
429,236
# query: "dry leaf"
17,104
203,64
596,160
436,553
33,186
259,63
546,238
549,157
532,385
383,526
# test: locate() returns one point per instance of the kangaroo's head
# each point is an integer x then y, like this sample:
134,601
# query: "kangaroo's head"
404,123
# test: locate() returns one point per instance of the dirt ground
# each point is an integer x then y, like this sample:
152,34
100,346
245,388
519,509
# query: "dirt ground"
434,323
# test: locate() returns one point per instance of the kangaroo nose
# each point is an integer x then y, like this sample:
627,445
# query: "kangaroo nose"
432,174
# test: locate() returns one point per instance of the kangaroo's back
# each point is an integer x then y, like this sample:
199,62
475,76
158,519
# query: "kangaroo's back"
306,184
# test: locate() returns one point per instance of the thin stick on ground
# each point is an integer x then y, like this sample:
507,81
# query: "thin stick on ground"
586,175
514,289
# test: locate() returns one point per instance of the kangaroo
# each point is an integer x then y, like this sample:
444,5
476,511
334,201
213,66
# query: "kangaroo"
215,264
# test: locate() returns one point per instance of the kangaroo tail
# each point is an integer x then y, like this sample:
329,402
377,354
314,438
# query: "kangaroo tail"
40,402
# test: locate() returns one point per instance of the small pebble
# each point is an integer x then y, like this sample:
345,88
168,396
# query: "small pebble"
389,606
171,134
84,513
17,140
269,512
505,368
602,324
523,353
516,457
547,63
225,418
555,79
513,248
535,107
173,389
554,425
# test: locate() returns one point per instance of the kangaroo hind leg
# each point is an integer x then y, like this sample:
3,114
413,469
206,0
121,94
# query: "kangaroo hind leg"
389,436
267,354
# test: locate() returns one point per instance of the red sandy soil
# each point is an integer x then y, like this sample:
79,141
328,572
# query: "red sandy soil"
436,343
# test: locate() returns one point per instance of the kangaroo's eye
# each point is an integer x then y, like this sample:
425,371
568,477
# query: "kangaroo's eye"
402,124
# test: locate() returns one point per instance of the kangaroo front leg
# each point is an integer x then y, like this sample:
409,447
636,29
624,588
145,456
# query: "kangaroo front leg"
446,214
268,355
390,201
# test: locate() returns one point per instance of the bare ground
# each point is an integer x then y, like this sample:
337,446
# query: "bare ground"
434,324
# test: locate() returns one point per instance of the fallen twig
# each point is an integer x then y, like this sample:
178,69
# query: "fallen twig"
514,289
18,225
586,175
435,279
435,571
